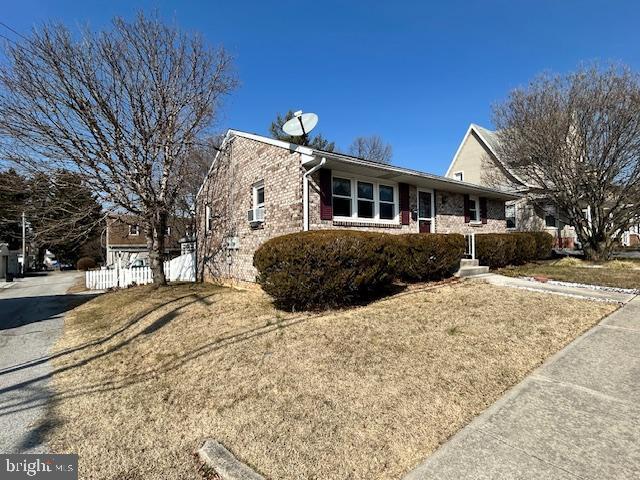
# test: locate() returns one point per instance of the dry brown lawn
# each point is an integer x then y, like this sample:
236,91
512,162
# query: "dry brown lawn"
78,286
365,393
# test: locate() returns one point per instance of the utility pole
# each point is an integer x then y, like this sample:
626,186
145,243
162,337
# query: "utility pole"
24,245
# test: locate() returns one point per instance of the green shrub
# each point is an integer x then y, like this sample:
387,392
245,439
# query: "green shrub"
525,250
324,269
498,250
419,257
544,244
86,263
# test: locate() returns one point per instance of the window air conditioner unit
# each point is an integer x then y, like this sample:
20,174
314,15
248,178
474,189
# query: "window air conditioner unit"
255,216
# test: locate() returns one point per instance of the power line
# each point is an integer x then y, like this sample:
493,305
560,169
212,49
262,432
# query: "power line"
13,30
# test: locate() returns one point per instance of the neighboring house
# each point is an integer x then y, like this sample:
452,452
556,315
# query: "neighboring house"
126,241
259,188
8,261
477,161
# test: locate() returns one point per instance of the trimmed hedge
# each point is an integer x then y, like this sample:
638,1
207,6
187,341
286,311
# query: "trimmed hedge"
420,257
544,244
324,269
331,268
498,250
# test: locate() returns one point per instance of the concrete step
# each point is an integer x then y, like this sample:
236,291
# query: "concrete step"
471,271
467,262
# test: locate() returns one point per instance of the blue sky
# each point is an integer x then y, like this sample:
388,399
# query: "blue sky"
417,73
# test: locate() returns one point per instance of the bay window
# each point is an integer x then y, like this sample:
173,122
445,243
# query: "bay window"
367,200
366,203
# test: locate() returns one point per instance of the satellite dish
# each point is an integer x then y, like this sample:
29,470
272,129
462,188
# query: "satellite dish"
300,124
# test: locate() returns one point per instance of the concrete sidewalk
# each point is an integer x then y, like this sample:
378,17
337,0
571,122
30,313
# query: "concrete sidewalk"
576,417
602,295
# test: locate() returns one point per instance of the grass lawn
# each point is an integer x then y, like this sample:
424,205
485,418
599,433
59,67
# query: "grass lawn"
144,376
620,274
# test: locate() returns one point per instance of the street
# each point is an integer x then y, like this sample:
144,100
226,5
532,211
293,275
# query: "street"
31,320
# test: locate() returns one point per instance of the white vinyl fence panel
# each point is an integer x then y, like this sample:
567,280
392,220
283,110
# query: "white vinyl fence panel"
180,269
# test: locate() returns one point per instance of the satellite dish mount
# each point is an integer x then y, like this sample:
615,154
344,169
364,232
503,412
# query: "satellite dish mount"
300,125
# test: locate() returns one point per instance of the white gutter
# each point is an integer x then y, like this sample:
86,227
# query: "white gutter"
305,192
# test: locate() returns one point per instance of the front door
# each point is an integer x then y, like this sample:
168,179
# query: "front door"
425,211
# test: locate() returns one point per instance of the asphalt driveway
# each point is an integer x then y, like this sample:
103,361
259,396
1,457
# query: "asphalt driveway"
31,320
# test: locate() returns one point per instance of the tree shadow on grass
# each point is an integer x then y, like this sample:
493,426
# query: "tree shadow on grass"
163,367
172,363
134,320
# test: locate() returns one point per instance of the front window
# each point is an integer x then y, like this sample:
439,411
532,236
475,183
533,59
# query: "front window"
362,199
387,202
134,229
366,202
510,215
474,209
341,197
550,218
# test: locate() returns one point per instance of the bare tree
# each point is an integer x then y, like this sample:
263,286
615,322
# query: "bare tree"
199,160
371,148
122,107
576,140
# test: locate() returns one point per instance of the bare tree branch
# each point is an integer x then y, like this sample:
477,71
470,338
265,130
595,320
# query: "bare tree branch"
576,141
372,148
123,108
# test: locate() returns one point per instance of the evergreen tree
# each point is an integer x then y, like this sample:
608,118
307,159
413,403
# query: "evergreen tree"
314,141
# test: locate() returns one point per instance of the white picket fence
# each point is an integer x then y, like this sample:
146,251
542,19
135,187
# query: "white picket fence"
180,269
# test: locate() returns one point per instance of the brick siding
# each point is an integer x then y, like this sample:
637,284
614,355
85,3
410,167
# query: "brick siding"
228,191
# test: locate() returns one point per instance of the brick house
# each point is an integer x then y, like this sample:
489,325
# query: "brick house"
259,188
126,240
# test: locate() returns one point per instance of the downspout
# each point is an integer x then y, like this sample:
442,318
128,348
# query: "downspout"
305,192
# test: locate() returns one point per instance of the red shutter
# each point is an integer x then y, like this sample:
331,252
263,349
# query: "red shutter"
467,213
326,201
403,190
483,209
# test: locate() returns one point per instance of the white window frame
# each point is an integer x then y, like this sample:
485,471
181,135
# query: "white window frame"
354,179
461,173
374,191
137,232
350,197
386,202
476,201
207,218
432,212
515,216
254,195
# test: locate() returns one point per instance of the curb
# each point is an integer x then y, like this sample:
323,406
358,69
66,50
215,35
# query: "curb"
216,457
